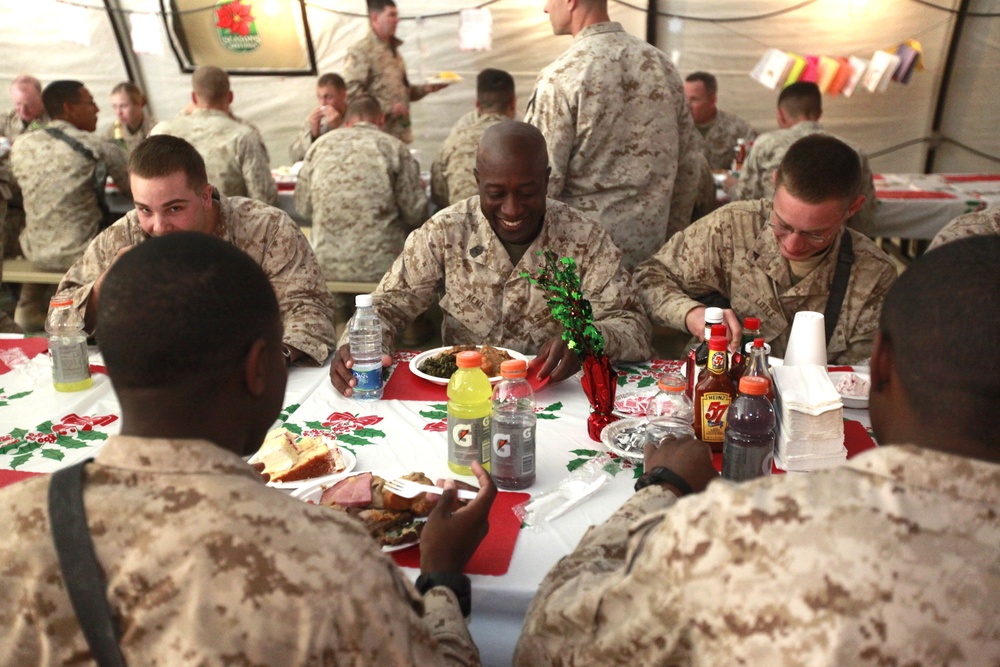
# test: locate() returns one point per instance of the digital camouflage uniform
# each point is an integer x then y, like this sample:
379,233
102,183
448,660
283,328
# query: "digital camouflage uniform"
11,126
132,139
734,252
206,565
757,178
362,189
235,156
61,208
452,179
271,239
980,223
304,139
719,142
889,559
613,113
485,300
377,68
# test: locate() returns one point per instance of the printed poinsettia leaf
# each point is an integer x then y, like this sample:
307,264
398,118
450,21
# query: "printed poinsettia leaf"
53,454
352,440
70,442
369,433
19,461
90,435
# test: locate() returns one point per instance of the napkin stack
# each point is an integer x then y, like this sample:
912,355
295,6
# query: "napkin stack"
810,419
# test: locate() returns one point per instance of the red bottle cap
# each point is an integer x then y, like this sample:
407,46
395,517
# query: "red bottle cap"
718,330
718,343
758,342
469,359
752,323
754,385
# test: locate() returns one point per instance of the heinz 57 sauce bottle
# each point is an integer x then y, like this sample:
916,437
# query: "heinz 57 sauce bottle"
713,395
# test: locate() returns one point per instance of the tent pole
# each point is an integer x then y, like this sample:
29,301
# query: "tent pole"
651,14
120,28
949,65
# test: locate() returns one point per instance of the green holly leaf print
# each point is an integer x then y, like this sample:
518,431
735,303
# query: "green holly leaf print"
352,440
69,442
19,461
369,433
44,427
53,454
286,412
293,428
434,414
647,381
90,435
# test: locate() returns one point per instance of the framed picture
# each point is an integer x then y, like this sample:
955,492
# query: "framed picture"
241,36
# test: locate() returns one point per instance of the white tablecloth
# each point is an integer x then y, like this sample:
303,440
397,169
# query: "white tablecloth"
917,206
387,437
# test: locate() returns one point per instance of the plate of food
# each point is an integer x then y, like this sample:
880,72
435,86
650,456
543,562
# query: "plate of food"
853,388
293,461
445,78
626,437
392,521
437,365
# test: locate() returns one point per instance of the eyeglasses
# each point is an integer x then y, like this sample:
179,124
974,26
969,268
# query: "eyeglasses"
782,229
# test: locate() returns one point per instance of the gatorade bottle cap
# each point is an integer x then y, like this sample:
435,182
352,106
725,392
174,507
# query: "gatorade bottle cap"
514,368
60,301
672,382
471,359
754,385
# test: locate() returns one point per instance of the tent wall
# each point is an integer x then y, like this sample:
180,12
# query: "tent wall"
523,43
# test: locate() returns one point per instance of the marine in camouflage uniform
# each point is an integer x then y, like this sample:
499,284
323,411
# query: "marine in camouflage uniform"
452,179
485,300
205,560
12,126
234,152
758,572
132,139
375,67
613,113
60,200
362,189
718,138
757,178
980,223
265,233
734,252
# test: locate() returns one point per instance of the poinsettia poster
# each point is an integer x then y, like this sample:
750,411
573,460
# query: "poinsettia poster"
240,36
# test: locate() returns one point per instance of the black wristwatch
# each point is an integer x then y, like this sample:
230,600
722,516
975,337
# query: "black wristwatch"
459,584
661,475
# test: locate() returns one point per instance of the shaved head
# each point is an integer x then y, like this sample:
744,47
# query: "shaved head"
211,85
513,139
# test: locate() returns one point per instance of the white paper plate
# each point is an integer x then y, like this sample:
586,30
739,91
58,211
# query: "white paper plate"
614,428
314,491
423,356
856,402
349,463
434,80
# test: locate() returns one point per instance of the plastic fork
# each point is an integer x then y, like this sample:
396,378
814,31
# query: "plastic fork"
409,489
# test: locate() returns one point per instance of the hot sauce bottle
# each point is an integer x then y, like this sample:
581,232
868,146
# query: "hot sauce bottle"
713,395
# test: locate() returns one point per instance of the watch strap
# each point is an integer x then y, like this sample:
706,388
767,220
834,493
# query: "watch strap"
459,584
661,475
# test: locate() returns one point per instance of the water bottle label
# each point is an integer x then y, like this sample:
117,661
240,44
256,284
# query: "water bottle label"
368,380
468,440
70,362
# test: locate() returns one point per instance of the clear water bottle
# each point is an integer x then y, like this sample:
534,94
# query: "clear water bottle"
512,429
67,346
670,411
748,447
469,411
365,332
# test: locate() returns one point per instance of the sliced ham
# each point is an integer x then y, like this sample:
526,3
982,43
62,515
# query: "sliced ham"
354,491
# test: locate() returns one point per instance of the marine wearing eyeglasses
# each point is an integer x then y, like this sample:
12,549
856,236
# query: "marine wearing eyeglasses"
773,258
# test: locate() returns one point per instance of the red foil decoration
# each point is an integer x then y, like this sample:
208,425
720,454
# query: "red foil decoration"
599,384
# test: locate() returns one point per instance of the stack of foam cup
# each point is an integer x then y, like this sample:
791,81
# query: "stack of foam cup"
810,413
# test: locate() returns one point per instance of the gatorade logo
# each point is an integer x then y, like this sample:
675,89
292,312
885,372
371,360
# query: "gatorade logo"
501,445
461,434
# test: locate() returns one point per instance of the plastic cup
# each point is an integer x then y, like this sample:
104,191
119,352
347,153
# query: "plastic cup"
807,340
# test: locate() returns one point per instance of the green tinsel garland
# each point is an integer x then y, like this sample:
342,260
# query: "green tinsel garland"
558,276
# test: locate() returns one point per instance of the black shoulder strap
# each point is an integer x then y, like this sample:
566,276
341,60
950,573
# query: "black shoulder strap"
838,289
100,171
81,572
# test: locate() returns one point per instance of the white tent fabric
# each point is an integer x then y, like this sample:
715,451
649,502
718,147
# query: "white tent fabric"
714,35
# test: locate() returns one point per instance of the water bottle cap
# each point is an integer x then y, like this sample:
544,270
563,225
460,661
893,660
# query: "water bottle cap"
514,368
752,323
754,385
672,382
363,301
713,315
471,359
60,301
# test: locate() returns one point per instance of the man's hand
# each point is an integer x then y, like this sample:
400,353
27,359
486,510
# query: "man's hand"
340,370
695,322
557,361
324,113
453,532
433,87
688,457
